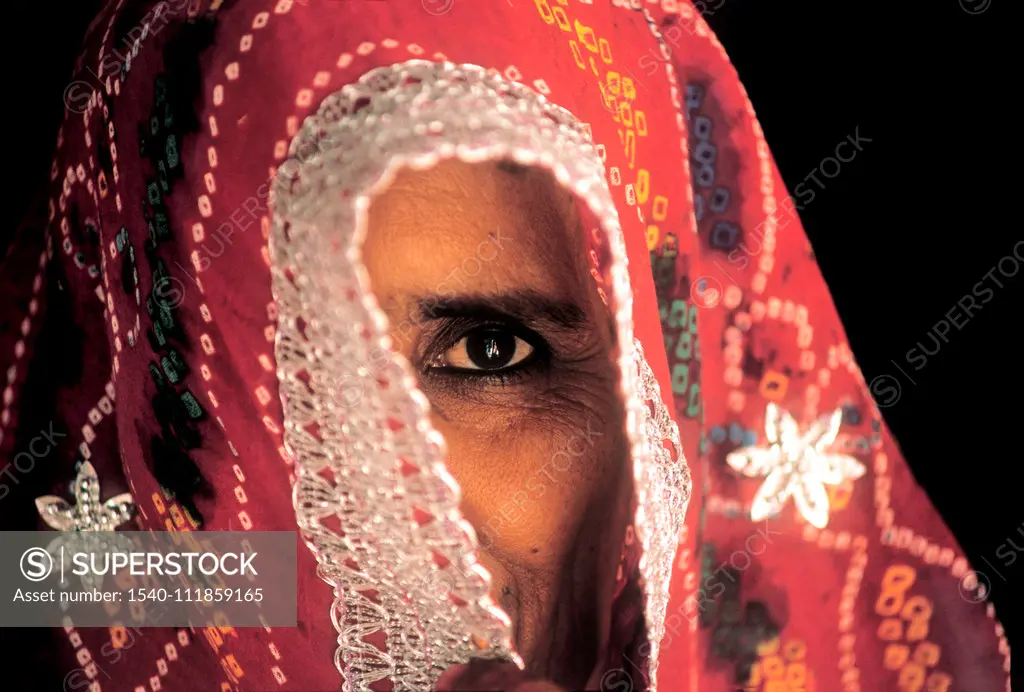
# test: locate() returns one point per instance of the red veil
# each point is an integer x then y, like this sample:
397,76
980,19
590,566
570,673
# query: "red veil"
140,324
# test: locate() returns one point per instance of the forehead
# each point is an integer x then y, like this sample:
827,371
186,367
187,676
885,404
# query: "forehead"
488,225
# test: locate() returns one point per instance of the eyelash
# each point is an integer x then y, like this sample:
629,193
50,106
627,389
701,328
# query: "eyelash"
457,328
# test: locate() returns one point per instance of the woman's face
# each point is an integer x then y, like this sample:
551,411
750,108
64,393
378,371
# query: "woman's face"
482,272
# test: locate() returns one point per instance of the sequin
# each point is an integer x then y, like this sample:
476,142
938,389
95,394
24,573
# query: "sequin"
88,513
796,465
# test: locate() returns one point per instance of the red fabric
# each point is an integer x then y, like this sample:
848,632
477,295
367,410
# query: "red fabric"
769,331
715,325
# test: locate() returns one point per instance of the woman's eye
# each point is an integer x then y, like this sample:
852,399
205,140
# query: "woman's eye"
486,349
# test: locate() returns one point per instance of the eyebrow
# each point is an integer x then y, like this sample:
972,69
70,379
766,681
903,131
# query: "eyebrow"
528,306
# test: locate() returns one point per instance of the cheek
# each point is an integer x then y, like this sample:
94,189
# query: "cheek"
528,479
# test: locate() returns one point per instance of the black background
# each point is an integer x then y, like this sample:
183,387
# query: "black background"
909,227
902,233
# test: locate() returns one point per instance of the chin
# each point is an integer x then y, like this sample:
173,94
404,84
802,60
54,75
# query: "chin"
555,629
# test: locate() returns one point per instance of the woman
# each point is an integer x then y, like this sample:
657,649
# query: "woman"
316,286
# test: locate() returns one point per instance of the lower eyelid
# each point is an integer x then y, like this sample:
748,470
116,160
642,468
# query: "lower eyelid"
534,364
462,383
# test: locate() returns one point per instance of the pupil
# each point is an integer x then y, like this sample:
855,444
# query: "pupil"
490,350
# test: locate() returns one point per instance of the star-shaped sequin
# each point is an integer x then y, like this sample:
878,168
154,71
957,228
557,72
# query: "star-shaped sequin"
795,464
88,513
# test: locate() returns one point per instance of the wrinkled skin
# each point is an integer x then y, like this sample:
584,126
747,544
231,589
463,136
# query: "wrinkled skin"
482,272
